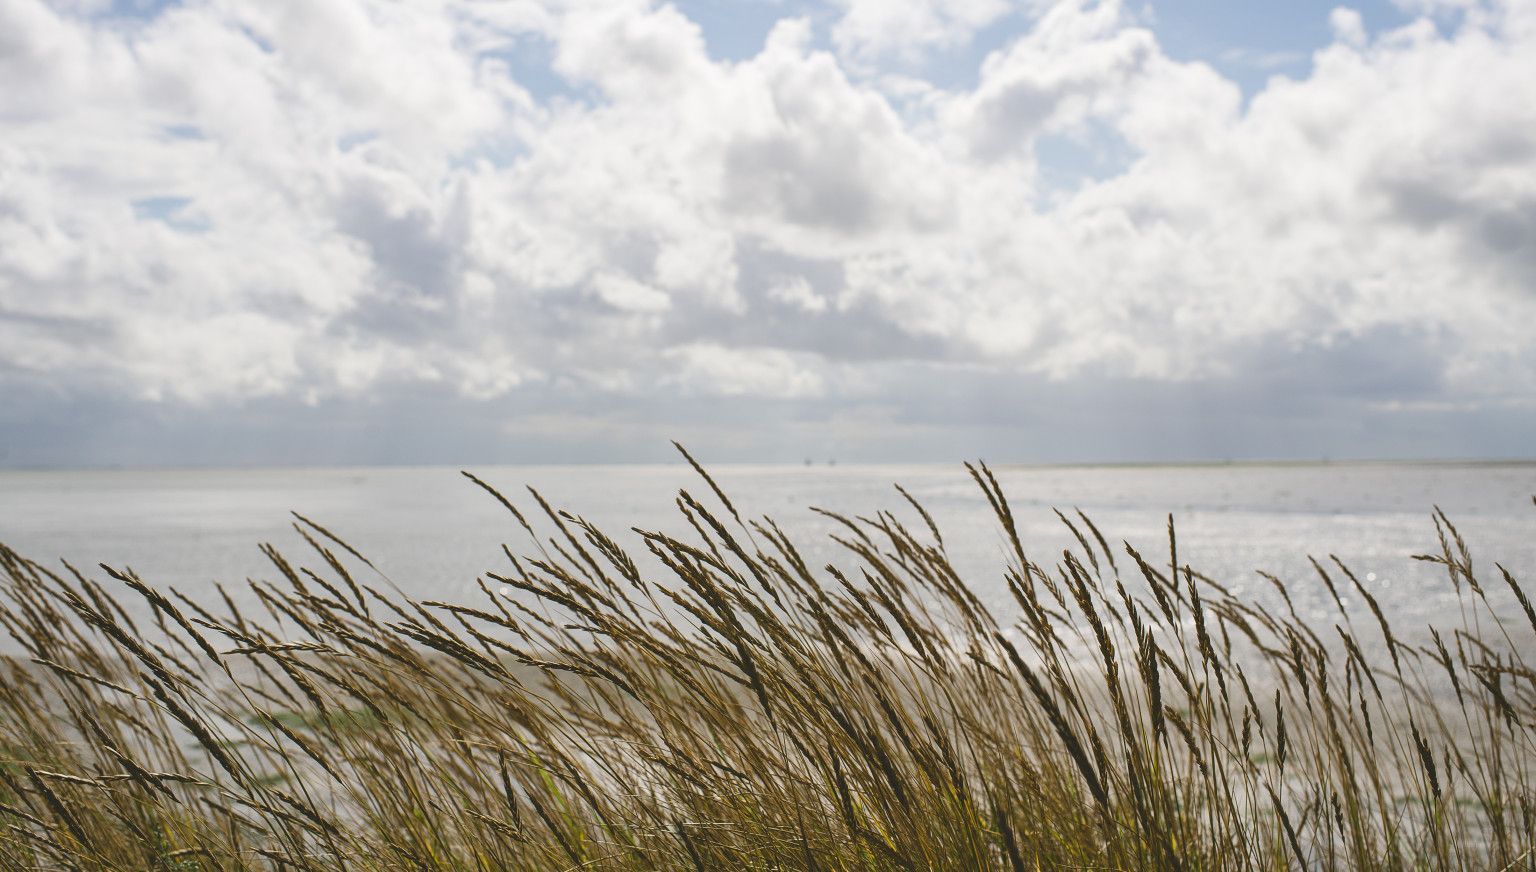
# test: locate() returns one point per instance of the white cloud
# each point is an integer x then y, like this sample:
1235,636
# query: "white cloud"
708,368
314,200
798,292
1348,27
1079,60
623,292
871,31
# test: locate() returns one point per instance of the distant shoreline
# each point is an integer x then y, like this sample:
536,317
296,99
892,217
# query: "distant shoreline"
1257,463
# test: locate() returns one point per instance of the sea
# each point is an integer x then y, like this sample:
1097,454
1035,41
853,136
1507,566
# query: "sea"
432,533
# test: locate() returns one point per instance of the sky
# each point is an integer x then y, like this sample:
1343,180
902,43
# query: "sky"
296,232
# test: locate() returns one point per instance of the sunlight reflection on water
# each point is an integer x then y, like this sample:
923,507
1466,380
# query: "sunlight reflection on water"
433,532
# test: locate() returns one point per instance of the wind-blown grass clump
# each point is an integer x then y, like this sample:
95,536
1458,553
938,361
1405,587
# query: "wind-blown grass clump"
721,704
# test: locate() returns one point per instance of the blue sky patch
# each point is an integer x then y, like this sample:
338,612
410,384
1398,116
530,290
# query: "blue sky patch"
173,212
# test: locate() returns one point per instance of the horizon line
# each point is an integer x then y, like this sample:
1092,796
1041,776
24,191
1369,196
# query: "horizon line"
812,463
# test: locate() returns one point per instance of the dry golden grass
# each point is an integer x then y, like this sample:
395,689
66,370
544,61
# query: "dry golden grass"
720,704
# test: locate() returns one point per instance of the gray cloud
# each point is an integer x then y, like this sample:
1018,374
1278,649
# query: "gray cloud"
1292,402
816,184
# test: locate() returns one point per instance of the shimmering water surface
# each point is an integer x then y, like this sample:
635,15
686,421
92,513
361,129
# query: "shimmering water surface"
432,532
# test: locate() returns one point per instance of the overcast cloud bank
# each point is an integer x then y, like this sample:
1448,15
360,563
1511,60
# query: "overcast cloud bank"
464,231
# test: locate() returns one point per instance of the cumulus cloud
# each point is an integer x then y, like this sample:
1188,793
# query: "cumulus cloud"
874,31
320,202
1347,25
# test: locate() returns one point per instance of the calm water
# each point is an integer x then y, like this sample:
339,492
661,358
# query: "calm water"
433,532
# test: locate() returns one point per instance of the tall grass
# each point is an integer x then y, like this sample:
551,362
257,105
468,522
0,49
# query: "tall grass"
719,703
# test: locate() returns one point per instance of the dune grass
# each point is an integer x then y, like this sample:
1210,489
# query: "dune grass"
718,703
